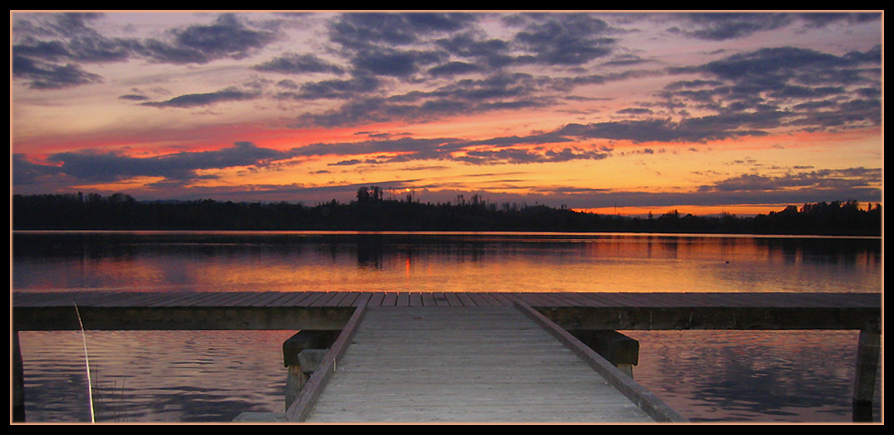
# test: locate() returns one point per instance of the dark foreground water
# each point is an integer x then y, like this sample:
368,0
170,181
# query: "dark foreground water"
213,376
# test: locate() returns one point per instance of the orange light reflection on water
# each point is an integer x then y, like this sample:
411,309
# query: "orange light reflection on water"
469,263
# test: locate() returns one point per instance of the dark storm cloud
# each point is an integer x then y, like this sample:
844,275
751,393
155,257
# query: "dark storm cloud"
635,111
823,19
851,179
500,150
72,40
563,39
490,53
359,31
227,37
25,172
524,156
291,63
395,63
44,75
49,50
461,97
790,86
454,68
664,130
56,63
712,198
723,26
420,148
332,89
494,87
194,100
179,167
133,97
356,112
860,184
770,66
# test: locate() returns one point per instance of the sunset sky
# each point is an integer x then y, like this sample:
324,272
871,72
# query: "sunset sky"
613,112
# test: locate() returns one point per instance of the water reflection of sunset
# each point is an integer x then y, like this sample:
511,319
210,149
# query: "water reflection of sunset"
475,263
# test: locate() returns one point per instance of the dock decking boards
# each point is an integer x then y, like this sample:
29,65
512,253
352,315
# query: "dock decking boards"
478,364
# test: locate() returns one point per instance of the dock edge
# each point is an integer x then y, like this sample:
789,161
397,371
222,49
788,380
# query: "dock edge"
645,399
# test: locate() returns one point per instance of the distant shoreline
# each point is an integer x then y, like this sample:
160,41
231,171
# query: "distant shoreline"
123,213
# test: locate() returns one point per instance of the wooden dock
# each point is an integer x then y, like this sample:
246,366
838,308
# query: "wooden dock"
478,364
465,356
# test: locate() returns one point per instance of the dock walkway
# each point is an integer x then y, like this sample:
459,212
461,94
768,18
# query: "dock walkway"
479,364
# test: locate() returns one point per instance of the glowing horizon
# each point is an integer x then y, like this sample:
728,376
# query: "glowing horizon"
642,111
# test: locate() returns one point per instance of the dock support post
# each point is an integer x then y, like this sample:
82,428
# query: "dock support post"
619,349
18,381
299,353
868,351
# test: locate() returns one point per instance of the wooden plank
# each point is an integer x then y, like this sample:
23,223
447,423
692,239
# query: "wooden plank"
177,299
490,299
403,299
453,300
466,300
294,298
684,300
220,299
481,299
428,299
390,299
114,299
503,299
105,298
589,300
620,300
377,298
245,300
336,301
537,299
196,299
310,393
324,299
566,299
628,299
270,299
311,298
81,298
254,300
415,299
349,299
527,298
33,299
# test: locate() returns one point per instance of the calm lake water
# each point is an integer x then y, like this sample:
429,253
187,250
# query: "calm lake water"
213,376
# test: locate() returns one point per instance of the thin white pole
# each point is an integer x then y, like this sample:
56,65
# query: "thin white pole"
87,361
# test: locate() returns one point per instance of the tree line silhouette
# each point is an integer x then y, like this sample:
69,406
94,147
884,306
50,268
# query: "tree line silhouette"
372,212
